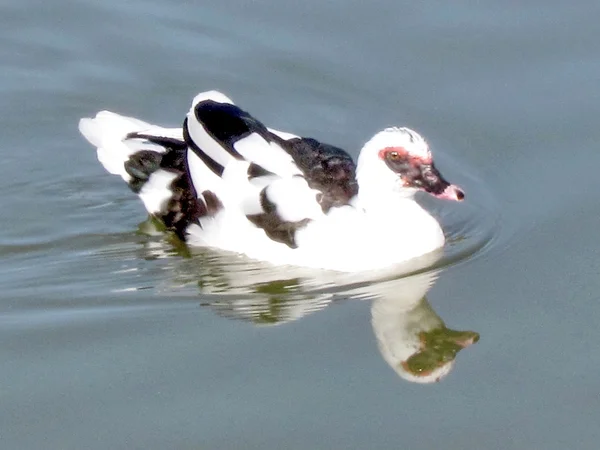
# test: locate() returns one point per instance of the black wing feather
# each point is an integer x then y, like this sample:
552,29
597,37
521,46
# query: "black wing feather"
277,229
227,124
326,168
165,141
184,207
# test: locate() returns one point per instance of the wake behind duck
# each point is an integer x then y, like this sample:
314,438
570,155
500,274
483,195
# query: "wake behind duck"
225,180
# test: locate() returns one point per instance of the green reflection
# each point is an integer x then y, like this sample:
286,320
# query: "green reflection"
438,347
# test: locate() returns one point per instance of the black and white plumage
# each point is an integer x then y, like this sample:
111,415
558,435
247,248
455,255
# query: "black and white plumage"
226,180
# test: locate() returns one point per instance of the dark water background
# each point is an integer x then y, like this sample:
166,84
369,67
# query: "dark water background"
114,339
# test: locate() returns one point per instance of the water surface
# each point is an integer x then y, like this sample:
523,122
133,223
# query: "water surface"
112,338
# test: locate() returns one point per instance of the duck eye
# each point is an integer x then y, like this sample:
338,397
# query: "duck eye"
393,156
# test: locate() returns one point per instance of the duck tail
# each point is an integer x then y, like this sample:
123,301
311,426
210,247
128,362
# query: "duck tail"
152,160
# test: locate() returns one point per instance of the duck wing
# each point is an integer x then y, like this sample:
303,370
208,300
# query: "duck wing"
220,134
282,181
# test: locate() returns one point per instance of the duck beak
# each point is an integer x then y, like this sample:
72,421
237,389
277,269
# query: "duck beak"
452,192
429,179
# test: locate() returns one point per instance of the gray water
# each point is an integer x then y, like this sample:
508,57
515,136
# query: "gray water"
111,337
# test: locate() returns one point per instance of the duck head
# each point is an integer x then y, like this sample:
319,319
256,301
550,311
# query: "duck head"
398,160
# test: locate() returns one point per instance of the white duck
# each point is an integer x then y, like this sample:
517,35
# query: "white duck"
225,180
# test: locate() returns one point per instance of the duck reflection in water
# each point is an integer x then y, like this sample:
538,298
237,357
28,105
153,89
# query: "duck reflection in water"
411,337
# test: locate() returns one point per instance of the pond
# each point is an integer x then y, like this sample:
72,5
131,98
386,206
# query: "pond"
115,335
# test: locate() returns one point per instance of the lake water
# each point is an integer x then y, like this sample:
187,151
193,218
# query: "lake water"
116,338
